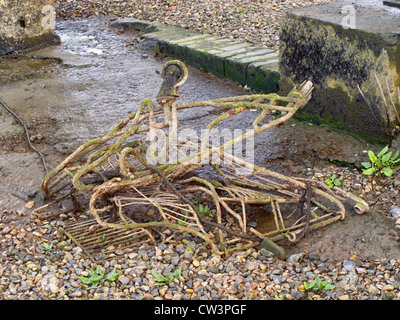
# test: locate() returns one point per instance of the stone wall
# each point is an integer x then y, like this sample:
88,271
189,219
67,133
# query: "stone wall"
318,43
25,23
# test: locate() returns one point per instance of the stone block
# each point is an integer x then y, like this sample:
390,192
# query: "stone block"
345,47
25,24
237,68
196,53
263,77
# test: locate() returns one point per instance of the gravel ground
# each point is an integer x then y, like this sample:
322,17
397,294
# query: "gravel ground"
254,21
38,262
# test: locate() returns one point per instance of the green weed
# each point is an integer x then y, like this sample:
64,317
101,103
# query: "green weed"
47,247
97,277
318,285
333,181
240,10
161,280
382,163
205,210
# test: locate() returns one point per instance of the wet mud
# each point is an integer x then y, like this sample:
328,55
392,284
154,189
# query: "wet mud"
79,90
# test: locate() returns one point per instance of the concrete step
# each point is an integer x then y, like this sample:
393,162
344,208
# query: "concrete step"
243,63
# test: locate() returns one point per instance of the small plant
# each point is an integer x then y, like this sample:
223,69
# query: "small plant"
113,275
183,223
240,10
160,280
333,181
382,163
47,247
97,277
318,286
204,210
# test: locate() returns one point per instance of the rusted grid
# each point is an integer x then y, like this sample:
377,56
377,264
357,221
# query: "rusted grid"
101,243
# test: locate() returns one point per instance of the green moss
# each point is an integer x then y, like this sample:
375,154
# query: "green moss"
263,79
315,50
198,58
235,71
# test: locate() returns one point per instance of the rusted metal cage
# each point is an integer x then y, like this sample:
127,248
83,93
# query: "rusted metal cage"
134,197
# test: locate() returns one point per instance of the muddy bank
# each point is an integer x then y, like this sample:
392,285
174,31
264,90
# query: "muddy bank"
99,75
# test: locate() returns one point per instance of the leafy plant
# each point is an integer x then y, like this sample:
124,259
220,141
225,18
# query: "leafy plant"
318,285
160,280
333,181
382,163
183,223
204,210
97,277
47,247
240,10
113,275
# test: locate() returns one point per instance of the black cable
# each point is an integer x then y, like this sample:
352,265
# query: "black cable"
27,135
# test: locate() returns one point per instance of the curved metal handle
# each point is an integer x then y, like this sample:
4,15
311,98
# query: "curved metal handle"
174,74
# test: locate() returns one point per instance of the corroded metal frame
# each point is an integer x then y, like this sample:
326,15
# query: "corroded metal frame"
135,181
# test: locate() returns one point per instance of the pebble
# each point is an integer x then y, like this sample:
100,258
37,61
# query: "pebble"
124,280
349,265
250,265
395,212
388,287
243,275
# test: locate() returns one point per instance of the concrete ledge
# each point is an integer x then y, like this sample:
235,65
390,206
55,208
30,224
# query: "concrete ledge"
243,63
314,45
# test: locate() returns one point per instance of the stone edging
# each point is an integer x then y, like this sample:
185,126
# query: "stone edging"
243,63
